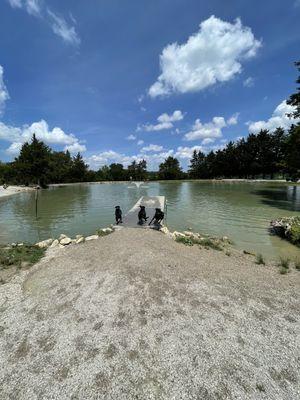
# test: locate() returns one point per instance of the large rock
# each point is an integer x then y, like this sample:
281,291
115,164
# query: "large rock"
62,236
93,237
80,240
55,243
65,241
177,234
44,244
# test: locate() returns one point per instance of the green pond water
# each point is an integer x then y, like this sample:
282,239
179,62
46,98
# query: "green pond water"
241,211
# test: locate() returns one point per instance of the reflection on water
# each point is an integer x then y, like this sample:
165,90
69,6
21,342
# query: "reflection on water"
241,211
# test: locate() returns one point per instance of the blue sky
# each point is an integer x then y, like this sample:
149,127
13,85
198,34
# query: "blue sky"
122,80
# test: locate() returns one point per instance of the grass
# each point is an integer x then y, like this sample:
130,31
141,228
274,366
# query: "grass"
187,241
260,259
100,232
205,242
297,265
16,255
284,265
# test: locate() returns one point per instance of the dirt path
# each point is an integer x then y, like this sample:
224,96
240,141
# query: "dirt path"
135,315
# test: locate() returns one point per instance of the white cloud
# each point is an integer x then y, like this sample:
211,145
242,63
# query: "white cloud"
233,120
4,96
131,137
61,28
249,82
211,129
108,157
152,147
19,135
279,119
33,7
75,148
213,54
207,141
15,3
140,142
165,121
187,152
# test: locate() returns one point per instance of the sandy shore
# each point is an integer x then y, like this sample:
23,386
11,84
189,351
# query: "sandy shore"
13,190
135,315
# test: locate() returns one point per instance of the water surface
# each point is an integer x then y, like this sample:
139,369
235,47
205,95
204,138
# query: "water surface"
241,211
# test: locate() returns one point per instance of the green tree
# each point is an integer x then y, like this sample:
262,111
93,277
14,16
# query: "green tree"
294,99
197,165
78,171
117,172
170,169
33,162
292,152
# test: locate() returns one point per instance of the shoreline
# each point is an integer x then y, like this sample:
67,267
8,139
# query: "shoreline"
11,190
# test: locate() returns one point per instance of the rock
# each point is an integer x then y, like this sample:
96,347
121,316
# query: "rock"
107,230
225,239
93,237
20,244
164,230
80,240
177,234
44,244
78,237
55,243
65,241
62,236
13,245
61,246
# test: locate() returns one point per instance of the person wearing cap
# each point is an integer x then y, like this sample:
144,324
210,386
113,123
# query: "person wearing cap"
158,217
118,215
142,215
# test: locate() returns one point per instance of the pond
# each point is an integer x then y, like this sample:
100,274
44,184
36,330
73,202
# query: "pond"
240,210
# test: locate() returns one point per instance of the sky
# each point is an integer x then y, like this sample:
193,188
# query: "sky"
124,80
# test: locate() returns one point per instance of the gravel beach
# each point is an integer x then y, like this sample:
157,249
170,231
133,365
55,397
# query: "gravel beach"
135,315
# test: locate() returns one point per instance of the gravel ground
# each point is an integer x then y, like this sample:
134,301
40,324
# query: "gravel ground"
135,315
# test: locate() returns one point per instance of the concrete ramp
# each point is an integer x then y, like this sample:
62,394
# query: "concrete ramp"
131,218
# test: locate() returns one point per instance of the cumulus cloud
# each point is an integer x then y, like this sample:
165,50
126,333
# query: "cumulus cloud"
19,135
279,119
249,82
140,142
75,148
213,54
212,130
4,96
62,29
187,152
152,147
165,121
131,137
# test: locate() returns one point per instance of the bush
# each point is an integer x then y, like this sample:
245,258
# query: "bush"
260,259
297,265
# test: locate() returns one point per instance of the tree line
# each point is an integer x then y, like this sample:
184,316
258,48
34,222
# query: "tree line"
266,155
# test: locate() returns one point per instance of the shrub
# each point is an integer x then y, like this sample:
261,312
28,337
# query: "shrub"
295,233
297,265
284,263
184,240
260,259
